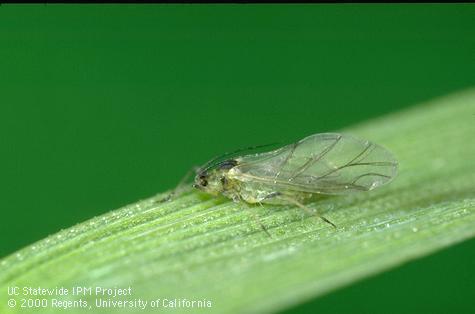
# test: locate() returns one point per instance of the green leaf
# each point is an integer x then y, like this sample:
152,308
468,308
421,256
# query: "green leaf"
196,247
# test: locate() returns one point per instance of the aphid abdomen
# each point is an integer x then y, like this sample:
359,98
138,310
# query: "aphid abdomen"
252,192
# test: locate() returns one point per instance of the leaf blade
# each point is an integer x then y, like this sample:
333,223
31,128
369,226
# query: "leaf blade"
169,250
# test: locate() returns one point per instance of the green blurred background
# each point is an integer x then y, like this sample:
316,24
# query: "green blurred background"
103,105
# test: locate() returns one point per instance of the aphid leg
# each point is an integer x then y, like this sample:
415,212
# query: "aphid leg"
180,188
308,210
256,217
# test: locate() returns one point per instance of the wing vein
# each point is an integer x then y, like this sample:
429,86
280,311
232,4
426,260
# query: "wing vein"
313,160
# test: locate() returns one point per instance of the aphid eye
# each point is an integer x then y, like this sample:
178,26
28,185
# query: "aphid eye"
203,180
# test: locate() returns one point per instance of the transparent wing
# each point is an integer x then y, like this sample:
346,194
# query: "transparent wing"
326,163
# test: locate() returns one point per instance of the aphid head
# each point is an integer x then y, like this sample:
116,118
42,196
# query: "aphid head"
208,181
212,180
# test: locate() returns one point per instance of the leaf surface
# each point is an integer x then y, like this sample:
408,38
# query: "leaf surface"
212,251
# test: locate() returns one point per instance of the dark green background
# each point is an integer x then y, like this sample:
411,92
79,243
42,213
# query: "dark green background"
103,105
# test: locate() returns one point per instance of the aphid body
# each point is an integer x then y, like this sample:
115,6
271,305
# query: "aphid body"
326,163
